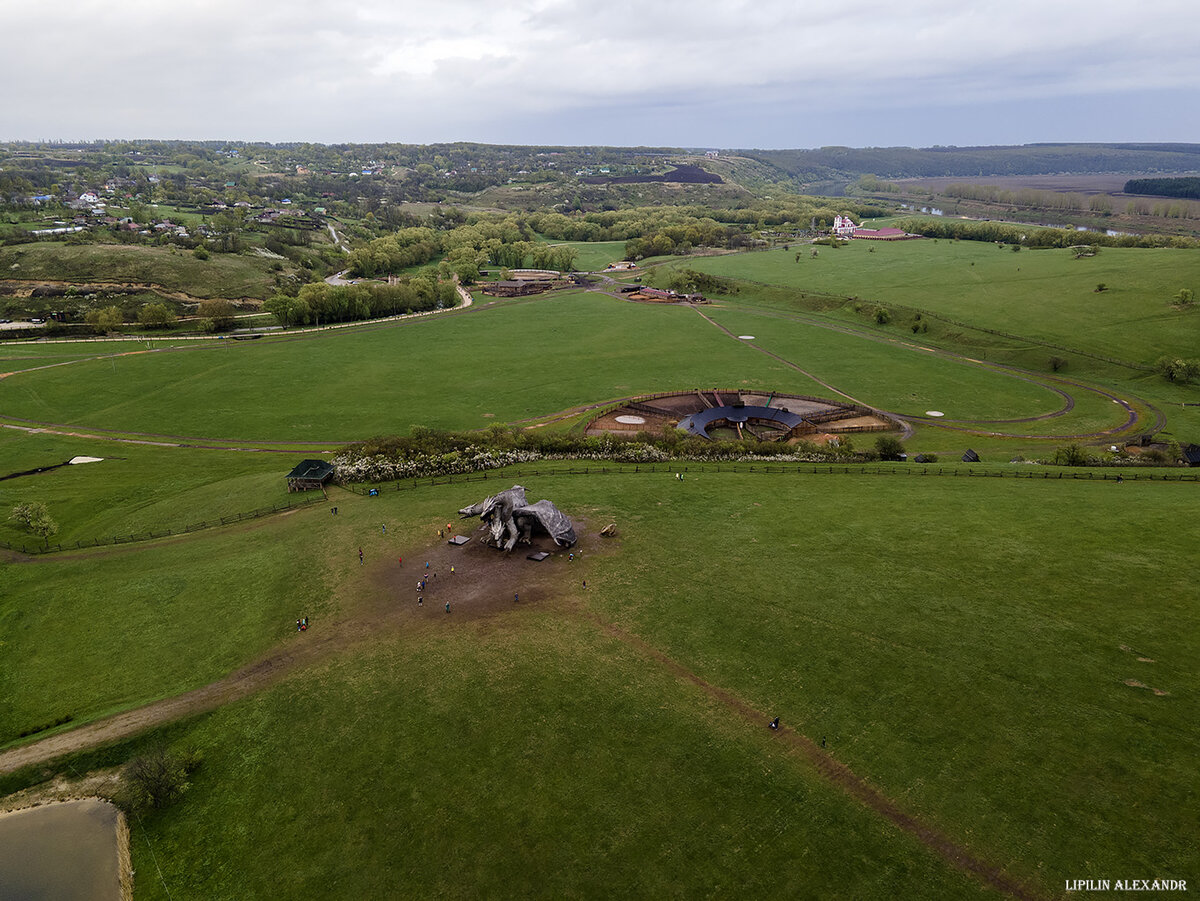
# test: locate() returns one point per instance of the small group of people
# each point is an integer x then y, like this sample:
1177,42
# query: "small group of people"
302,624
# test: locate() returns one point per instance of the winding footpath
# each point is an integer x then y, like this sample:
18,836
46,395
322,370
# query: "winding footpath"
371,623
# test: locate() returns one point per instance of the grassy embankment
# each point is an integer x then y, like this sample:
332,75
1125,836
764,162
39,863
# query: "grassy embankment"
172,269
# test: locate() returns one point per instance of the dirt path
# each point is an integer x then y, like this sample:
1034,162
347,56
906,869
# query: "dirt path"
485,583
832,770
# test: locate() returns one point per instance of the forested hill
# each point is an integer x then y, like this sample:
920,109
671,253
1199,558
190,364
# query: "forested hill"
831,164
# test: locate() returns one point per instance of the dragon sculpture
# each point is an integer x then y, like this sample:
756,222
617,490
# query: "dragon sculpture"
510,519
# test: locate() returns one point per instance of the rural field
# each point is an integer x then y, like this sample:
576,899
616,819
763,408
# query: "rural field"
223,275
985,676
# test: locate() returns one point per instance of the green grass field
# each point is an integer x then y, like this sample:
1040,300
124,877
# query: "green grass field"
243,391
1009,662
957,646
222,275
562,350
1042,293
593,256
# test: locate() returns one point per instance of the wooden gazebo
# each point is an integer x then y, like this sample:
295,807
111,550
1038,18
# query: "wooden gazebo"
309,474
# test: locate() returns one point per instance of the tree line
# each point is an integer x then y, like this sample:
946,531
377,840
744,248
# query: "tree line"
1165,187
1031,236
320,303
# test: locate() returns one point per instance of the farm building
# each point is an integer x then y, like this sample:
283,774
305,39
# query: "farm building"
310,474
513,288
1191,455
657,295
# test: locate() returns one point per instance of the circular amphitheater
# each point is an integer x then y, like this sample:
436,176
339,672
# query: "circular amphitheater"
716,414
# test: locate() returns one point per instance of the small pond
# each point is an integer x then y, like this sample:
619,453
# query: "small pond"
65,852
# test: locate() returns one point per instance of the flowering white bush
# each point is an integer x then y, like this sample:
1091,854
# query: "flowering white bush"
350,467
379,468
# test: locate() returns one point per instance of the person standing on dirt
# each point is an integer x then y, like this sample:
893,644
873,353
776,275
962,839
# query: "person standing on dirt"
775,723
447,606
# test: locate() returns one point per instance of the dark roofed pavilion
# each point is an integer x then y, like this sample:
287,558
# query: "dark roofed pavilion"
309,474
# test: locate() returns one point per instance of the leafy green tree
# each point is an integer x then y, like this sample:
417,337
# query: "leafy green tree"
157,778
1177,369
218,315
35,518
156,316
106,320
1071,455
1185,297
283,308
889,447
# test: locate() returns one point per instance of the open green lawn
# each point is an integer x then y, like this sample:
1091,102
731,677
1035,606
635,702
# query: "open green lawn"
1012,662
222,275
588,347
592,256
536,759
560,351
1037,293
137,488
963,644
106,630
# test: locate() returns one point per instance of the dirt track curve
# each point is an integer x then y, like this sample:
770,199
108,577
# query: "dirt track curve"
484,584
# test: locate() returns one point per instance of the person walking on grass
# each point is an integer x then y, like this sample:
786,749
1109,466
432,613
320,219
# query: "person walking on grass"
360,557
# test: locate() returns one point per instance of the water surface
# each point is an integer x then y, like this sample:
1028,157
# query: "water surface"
60,852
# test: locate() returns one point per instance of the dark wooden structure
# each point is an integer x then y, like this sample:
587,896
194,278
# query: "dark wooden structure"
309,474
513,288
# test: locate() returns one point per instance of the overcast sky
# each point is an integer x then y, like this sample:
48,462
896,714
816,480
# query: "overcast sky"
765,74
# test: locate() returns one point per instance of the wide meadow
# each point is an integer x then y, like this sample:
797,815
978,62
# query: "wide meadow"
986,677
